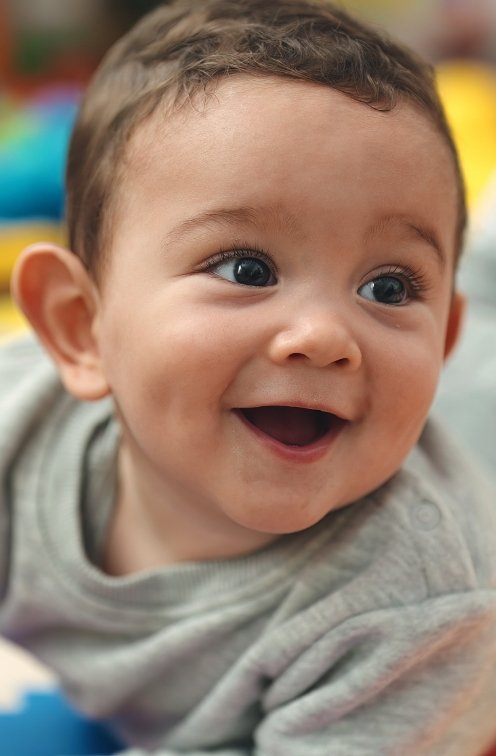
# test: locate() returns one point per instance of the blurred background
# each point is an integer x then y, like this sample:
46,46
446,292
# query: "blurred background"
49,48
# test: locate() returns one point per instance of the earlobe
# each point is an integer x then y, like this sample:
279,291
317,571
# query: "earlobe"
57,295
455,322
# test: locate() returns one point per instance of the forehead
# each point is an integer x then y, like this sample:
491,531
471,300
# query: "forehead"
276,143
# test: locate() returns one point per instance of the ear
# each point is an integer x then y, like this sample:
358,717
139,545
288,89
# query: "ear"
54,290
455,322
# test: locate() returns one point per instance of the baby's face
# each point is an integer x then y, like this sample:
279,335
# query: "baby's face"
274,317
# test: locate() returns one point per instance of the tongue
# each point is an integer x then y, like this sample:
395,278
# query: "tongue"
294,426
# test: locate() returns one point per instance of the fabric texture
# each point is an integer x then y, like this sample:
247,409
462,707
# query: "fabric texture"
373,632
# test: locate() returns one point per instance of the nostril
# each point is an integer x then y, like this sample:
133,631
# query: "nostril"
297,356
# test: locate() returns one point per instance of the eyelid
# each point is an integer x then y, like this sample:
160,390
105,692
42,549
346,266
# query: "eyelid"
238,251
415,279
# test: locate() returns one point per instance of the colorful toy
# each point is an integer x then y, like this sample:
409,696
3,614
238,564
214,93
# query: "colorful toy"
47,725
33,145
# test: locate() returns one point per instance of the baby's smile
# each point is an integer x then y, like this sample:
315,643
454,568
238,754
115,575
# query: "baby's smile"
294,427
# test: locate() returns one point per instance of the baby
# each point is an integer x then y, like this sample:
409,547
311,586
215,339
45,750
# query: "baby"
227,524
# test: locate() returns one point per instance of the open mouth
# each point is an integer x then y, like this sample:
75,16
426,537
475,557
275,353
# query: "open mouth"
292,426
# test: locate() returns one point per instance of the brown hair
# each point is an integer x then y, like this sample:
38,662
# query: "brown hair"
177,50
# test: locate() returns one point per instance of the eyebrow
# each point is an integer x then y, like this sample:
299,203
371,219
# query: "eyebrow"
285,221
415,229
234,216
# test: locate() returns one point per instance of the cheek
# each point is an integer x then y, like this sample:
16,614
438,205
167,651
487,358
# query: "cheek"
171,357
406,374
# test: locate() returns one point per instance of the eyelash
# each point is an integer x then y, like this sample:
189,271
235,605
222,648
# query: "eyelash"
241,251
415,281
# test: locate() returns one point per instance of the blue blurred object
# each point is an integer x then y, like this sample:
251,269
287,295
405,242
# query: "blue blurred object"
48,726
33,145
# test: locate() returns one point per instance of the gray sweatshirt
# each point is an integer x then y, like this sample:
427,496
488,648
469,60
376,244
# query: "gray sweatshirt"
372,633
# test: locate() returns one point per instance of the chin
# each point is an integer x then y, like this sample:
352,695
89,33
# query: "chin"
284,522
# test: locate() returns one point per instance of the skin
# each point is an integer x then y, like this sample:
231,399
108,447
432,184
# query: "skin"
338,196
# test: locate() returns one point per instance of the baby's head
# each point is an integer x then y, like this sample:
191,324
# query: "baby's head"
266,211
177,57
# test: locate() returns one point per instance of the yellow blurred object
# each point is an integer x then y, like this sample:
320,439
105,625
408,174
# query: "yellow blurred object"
15,236
468,91
11,320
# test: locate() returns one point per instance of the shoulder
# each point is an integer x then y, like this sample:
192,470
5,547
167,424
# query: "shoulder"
428,532
21,358
35,408
19,353
464,497
29,385
442,508
44,436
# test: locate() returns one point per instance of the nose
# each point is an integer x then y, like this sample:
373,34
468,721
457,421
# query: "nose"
320,337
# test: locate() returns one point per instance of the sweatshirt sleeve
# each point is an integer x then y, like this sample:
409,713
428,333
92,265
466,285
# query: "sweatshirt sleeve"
418,681
411,681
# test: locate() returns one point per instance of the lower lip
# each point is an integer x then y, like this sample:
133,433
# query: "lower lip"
296,454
